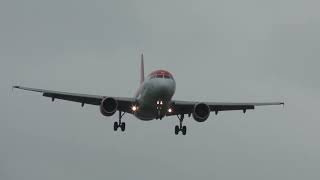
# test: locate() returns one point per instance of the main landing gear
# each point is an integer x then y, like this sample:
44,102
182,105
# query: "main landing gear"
119,124
181,128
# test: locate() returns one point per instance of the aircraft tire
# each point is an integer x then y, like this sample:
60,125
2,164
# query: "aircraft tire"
176,130
123,126
115,126
184,130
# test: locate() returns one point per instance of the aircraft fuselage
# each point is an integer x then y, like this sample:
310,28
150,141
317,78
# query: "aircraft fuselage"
154,95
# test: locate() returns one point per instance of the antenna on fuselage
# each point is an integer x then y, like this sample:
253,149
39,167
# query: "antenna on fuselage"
142,70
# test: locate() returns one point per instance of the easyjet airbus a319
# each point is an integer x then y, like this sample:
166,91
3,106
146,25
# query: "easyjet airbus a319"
153,100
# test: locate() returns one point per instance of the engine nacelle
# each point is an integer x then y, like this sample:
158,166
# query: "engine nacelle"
201,112
108,106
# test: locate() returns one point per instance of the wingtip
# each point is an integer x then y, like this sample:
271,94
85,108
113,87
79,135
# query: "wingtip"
14,87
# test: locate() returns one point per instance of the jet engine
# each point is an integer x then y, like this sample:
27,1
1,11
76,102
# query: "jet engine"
108,106
201,112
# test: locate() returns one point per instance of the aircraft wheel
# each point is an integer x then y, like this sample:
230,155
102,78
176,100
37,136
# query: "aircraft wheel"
184,130
115,126
176,130
123,126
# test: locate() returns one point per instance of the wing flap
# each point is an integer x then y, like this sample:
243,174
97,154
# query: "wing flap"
75,97
124,104
230,107
186,107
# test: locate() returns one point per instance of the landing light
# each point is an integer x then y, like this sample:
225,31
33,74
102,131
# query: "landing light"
134,108
170,110
160,102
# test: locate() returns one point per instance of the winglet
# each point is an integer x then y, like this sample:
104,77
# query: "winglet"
142,70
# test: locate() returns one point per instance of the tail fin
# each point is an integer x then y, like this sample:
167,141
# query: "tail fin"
142,70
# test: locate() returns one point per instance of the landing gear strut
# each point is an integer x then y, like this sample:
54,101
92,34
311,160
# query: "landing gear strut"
159,108
180,127
159,116
120,124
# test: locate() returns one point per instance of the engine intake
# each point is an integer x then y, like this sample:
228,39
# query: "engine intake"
108,106
201,112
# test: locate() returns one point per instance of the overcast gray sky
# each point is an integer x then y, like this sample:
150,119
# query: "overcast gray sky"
218,50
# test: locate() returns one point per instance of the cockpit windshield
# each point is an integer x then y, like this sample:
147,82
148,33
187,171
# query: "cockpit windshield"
161,76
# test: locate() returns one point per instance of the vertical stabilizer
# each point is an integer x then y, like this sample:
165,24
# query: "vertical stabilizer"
142,70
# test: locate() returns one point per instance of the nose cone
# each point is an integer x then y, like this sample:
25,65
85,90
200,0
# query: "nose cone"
165,88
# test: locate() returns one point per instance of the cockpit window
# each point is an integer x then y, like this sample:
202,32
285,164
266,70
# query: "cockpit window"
161,76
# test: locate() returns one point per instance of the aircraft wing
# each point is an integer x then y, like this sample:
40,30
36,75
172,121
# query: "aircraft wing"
186,107
124,104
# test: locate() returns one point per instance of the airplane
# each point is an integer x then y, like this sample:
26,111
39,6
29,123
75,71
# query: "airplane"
153,100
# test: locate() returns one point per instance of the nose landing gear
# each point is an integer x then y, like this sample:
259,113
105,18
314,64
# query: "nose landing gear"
159,115
120,124
159,108
180,127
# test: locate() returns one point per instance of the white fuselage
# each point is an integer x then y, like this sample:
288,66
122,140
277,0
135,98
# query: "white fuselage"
154,97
